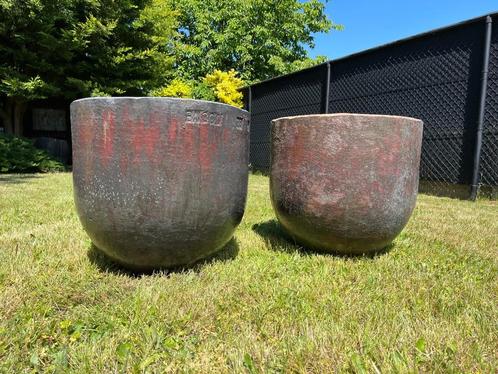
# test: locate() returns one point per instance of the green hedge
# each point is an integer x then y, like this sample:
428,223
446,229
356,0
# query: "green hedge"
19,155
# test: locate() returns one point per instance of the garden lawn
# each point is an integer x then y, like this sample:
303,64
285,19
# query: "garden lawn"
430,304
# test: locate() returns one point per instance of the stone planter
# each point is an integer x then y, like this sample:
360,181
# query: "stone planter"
159,182
345,183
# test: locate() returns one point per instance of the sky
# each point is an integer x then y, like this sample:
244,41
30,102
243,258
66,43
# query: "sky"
370,23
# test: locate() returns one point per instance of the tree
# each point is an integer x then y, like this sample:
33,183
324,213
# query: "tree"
221,86
177,88
75,48
225,86
258,38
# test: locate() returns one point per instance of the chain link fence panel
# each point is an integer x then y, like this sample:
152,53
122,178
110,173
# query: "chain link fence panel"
435,77
298,94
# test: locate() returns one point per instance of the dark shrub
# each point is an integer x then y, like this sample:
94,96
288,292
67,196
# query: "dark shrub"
19,155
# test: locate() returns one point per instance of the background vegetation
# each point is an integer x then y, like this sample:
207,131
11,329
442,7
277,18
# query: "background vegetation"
19,155
264,305
77,48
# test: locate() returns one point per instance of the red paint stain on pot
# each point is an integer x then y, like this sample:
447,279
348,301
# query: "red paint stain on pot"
172,130
204,148
152,138
137,129
86,143
388,154
145,139
123,162
188,142
298,157
108,127
226,135
85,133
126,156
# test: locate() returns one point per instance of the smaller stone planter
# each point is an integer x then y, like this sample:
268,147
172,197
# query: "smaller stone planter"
345,183
159,182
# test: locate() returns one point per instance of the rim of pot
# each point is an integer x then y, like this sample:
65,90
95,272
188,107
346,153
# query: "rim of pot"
331,115
119,98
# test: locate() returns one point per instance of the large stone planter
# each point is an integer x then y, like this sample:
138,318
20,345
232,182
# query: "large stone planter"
345,183
159,182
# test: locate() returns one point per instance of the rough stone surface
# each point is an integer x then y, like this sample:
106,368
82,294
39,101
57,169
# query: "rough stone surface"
159,182
345,183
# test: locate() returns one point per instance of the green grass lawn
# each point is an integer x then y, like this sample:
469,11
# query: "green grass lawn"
428,305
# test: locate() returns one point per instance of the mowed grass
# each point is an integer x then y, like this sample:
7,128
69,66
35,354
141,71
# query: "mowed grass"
428,305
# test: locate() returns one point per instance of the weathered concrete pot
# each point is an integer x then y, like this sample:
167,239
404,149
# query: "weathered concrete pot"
345,183
159,182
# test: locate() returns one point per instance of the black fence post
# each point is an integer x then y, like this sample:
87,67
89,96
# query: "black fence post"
327,89
482,107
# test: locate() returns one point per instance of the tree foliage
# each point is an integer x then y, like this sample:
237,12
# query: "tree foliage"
218,86
77,48
225,86
236,42
74,48
177,88
257,38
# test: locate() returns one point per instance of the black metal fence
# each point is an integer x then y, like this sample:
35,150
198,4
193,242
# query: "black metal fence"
437,77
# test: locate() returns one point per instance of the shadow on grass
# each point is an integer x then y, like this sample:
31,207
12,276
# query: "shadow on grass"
277,239
106,264
17,178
